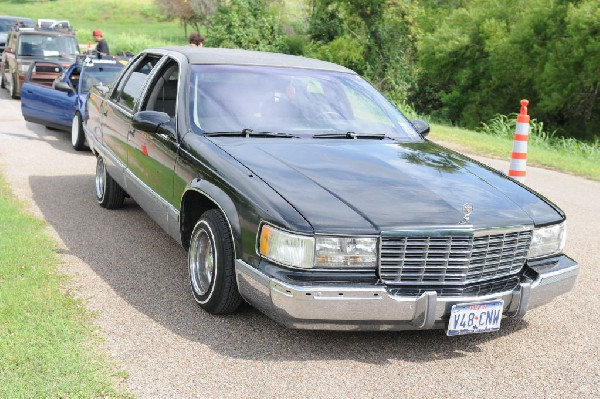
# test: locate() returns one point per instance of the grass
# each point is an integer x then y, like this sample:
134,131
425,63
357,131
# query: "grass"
130,25
48,344
540,152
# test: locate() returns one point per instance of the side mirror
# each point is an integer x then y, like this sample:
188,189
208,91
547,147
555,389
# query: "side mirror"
421,127
64,86
149,121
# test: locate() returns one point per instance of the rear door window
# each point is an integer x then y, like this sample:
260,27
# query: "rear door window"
130,89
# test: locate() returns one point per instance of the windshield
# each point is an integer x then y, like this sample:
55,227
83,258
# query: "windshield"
104,75
48,46
7,24
302,102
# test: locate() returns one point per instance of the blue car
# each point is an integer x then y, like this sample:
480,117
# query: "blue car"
55,97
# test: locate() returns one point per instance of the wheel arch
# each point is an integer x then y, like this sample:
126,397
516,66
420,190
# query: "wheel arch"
200,197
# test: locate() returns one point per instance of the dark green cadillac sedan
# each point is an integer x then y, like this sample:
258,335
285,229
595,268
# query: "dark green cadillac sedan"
298,187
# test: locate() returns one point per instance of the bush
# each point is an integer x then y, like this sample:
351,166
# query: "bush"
246,24
505,125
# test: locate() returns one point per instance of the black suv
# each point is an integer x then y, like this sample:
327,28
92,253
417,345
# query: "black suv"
25,45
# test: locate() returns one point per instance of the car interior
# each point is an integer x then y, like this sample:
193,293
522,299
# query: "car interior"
163,97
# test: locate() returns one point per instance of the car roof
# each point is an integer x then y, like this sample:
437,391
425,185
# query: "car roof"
204,55
13,18
45,32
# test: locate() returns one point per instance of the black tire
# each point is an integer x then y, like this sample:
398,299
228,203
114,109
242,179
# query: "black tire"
108,193
77,136
211,265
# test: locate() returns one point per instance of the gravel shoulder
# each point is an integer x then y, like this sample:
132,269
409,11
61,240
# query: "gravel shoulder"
134,275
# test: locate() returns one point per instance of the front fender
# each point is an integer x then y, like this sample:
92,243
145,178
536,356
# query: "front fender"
201,195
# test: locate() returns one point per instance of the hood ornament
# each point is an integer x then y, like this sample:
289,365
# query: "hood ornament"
467,210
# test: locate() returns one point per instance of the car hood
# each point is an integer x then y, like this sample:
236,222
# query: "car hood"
368,186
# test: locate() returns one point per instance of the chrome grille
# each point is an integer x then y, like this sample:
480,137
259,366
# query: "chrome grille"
485,288
452,259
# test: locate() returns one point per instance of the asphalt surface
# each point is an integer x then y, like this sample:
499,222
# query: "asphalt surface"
134,275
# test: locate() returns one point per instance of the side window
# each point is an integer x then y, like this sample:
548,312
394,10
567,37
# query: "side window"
74,78
163,91
133,84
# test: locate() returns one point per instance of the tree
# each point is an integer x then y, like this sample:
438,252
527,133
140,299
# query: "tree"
480,60
189,12
247,24
381,31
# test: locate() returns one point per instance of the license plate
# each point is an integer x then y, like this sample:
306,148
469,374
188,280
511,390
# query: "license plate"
473,318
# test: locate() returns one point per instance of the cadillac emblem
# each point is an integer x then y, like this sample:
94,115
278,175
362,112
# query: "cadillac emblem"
467,210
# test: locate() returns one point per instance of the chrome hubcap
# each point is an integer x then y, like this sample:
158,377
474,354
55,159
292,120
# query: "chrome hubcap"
100,178
201,262
75,130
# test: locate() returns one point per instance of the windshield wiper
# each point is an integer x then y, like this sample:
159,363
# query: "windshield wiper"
350,135
249,133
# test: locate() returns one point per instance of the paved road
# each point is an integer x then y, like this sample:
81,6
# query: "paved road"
134,275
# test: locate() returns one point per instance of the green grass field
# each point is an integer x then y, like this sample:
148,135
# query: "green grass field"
48,344
130,25
501,147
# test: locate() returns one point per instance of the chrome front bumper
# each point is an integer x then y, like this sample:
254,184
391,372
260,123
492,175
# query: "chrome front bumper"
371,307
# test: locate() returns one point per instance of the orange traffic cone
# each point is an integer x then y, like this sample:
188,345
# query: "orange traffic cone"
518,162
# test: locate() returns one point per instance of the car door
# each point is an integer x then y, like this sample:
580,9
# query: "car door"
118,111
153,152
48,102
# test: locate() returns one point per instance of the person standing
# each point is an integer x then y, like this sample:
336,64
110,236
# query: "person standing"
196,39
102,45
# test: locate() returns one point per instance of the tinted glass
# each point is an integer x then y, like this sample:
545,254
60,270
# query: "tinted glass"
47,46
303,102
134,84
103,75
7,24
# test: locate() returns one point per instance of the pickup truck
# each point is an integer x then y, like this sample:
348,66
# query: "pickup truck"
55,97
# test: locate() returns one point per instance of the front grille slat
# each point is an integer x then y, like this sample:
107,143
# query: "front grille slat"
452,259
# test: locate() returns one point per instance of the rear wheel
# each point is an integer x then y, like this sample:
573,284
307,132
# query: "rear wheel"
77,136
210,262
108,193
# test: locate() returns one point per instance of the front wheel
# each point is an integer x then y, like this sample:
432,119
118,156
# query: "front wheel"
108,192
210,262
77,136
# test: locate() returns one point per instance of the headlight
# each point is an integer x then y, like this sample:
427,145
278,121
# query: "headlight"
286,248
307,252
354,252
549,240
